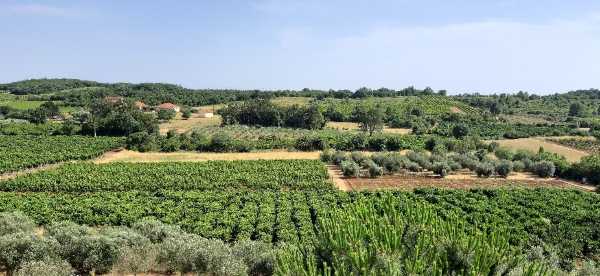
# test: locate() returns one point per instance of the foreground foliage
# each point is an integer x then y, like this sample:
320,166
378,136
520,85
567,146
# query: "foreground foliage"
66,248
384,236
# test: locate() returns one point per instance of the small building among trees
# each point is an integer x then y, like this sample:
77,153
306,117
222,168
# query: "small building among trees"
169,106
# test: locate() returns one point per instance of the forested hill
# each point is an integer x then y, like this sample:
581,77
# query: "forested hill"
73,91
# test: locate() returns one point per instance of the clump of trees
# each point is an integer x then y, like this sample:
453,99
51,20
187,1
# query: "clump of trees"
262,112
122,118
66,248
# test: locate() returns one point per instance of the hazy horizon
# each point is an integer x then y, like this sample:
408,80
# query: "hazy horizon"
466,46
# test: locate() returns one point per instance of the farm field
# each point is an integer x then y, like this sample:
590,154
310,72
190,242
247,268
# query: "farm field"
354,126
22,152
533,144
134,156
180,125
591,146
282,189
253,175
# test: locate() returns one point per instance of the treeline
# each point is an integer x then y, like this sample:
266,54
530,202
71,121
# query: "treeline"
222,141
76,92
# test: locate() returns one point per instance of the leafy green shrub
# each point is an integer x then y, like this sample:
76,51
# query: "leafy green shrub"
454,166
200,142
522,154
379,158
222,142
310,143
504,153
493,146
46,268
155,230
394,162
339,157
518,166
259,257
84,250
413,167
419,158
504,168
350,168
441,168
326,155
544,168
19,248
139,258
15,222
588,169
359,157
166,114
374,169
484,169
170,144
466,161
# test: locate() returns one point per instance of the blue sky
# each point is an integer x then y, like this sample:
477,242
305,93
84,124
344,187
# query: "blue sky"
459,45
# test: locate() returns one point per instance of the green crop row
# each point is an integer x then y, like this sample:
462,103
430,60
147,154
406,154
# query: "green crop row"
20,152
565,220
176,176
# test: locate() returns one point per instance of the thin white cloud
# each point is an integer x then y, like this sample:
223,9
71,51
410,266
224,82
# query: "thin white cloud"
39,10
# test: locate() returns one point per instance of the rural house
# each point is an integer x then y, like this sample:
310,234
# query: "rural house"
169,106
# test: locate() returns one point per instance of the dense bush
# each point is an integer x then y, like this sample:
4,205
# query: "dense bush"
588,169
544,168
484,170
374,169
504,168
350,168
441,168
66,247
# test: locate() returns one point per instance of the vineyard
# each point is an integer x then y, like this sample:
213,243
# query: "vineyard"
591,146
564,220
178,176
21,152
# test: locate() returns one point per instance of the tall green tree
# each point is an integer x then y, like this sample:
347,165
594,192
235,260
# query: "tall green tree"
369,118
577,109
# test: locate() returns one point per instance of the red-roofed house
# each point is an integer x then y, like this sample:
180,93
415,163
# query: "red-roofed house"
169,106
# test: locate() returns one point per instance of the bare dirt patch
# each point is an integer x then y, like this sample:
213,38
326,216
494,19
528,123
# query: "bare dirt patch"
455,109
411,182
134,156
338,178
533,144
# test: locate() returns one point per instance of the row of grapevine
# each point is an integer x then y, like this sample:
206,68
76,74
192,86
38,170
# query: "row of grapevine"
565,219
588,145
176,176
229,216
20,152
387,236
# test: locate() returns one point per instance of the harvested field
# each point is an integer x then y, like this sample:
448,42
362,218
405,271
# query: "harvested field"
182,126
533,144
460,180
134,156
411,182
354,126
